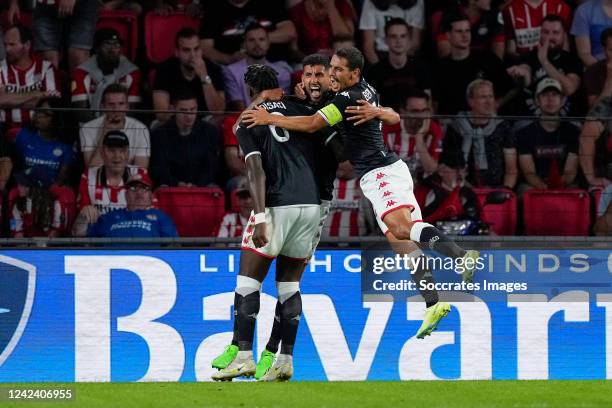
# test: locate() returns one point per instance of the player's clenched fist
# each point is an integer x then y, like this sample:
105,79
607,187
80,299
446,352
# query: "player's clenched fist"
260,235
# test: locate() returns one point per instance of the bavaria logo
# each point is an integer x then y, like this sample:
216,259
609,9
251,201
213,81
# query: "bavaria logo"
17,286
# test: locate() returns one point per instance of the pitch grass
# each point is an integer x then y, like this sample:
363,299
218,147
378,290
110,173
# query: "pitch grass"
425,394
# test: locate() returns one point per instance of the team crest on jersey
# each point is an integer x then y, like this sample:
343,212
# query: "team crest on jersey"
152,217
17,286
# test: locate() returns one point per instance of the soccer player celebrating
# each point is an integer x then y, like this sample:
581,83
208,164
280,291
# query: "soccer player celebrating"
384,179
282,181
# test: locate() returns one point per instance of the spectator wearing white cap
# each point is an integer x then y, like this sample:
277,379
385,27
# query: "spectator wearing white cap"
548,147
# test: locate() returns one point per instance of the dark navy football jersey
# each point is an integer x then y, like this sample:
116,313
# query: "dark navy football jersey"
288,157
363,144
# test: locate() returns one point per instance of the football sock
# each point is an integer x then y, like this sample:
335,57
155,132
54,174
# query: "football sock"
276,335
246,308
421,274
428,234
290,311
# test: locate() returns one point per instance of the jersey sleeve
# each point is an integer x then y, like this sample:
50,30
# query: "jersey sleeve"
249,141
224,227
84,199
98,229
333,113
166,226
79,88
134,91
435,147
51,80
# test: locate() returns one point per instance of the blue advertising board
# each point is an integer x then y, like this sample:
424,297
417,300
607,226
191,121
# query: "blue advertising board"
163,315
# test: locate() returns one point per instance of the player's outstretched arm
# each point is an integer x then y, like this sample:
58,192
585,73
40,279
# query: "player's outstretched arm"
365,111
305,124
275,94
256,177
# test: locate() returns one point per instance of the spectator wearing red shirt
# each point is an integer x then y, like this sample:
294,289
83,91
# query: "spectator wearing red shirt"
25,79
102,188
107,66
416,139
344,219
523,18
318,22
233,223
231,151
487,29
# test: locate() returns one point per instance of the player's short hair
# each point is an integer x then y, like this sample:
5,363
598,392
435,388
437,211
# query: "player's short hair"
316,59
184,94
395,21
416,93
114,88
25,34
450,18
353,56
605,36
474,85
261,77
186,32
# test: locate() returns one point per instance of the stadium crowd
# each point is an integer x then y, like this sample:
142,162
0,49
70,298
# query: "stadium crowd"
91,124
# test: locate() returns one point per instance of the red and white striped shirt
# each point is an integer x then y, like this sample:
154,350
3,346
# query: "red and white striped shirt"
398,140
40,76
83,85
232,225
343,219
23,221
93,189
523,21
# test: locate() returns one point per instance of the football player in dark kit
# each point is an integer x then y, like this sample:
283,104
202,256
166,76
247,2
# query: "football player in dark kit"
282,181
384,179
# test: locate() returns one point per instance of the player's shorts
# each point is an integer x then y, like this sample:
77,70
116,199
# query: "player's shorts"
390,188
291,232
323,213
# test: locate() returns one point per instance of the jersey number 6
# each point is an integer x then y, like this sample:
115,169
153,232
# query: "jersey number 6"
273,129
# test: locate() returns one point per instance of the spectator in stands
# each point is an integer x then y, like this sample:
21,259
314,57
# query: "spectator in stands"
256,46
318,22
102,188
344,218
39,145
224,23
187,70
107,66
233,223
603,223
598,77
446,197
548,148
417,139
374,16
6,163
231,152
522,21
484,141
487,29
596,145
25,79
455,72
36,212
549,60
397,72
590,20
185,149
53,19
138,219
92,133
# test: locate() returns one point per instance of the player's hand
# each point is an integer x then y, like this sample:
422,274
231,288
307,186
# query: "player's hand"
299,90
260,235
65,8
275,94
362,112
256,117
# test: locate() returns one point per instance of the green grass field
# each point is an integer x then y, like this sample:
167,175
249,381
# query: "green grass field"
418,394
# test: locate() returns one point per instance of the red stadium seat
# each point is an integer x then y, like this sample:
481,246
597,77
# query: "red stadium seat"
500,217
126,24
195,211
160,32
557,212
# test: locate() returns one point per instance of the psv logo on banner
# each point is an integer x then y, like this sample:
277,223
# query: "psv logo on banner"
17,286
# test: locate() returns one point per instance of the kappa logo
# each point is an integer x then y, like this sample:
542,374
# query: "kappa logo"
17,287
433,241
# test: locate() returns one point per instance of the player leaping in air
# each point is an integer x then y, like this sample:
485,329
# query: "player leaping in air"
384,179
